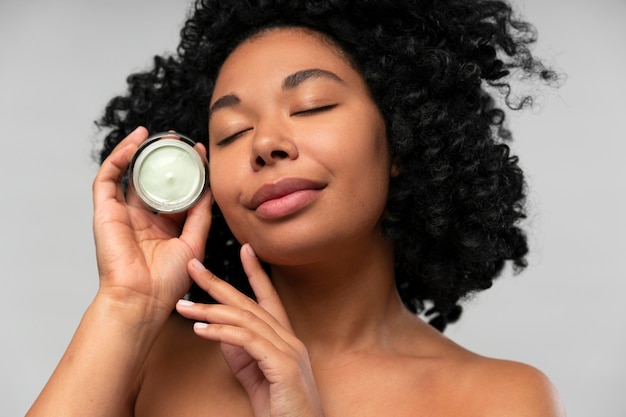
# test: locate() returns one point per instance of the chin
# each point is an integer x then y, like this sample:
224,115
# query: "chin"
293,252
287,254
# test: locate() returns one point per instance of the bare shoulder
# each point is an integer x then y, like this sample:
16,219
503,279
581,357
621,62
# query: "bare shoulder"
456,381
511,389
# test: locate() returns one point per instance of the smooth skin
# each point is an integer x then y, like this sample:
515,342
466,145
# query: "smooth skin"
327,334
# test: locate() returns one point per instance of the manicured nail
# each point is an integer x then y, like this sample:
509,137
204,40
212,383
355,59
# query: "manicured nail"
185,303
250,250
200,326
198,265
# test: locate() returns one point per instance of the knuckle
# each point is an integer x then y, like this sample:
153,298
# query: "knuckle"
300,349
215,328
248,315
249,336
249,303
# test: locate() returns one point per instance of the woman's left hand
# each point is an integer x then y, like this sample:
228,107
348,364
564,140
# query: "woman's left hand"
257,341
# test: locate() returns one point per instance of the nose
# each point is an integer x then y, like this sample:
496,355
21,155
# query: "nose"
271,145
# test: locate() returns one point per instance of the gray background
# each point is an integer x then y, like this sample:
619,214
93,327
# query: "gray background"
60,61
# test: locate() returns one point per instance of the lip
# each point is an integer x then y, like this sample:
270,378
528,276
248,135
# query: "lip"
284,196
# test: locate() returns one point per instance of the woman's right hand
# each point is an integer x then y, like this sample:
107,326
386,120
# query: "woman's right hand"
142,260
142,256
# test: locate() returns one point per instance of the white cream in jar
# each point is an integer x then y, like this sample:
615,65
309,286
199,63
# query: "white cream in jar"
168,175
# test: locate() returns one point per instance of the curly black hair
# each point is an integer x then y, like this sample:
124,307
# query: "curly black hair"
435,69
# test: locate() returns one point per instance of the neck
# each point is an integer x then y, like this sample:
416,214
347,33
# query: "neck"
347,303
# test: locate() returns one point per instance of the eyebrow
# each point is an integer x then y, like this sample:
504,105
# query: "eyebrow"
289,83
292,81
229,100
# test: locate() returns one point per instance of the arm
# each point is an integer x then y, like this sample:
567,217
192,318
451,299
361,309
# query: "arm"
142,261
103,359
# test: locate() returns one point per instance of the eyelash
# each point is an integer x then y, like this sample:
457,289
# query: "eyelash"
307,112
230,138
315,110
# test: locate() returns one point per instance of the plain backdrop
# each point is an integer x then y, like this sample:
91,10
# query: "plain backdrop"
61,60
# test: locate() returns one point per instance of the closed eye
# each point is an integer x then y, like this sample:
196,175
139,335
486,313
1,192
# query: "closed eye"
314,110
232,137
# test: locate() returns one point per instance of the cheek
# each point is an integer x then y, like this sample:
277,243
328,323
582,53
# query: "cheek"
216,181
224,181
222,178
370,171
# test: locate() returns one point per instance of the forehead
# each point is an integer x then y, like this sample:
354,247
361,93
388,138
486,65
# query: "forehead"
269,55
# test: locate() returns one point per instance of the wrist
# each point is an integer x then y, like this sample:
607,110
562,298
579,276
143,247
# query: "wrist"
129,309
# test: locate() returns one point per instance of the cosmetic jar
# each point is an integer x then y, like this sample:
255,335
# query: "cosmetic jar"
167,173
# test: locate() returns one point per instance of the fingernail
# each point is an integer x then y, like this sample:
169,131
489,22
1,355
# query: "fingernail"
186,303
250,250
200,326
198,265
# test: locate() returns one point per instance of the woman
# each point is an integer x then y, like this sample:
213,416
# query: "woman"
357,157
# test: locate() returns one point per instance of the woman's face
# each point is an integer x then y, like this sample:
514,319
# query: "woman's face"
298,156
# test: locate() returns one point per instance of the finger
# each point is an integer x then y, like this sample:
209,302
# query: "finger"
201,149
107,184
268,356
132,198
226,294
198,224
264,290
220,290
231,316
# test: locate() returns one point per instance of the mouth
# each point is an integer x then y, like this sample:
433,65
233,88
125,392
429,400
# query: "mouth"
284,197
